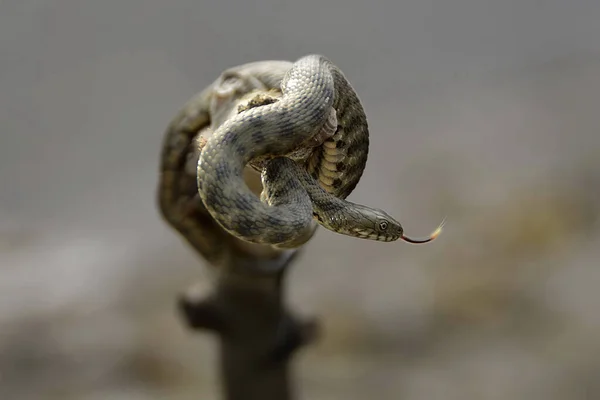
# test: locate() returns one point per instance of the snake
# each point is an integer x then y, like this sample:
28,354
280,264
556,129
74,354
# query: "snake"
306,132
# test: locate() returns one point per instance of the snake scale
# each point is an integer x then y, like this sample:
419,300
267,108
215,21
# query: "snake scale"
303,127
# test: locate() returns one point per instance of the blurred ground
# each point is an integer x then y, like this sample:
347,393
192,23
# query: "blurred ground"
481,112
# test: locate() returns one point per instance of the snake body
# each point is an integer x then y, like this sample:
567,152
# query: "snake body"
315,94
303,127
177,194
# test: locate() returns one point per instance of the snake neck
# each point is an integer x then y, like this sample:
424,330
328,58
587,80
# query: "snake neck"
339,215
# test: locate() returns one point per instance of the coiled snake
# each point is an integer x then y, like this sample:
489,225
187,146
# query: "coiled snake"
302,125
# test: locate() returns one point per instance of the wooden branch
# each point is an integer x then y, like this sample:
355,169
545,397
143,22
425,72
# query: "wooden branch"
258,335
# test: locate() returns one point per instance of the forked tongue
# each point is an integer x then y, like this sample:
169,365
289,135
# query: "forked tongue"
428,239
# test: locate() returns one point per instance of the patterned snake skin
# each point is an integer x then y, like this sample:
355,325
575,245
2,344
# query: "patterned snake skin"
310,140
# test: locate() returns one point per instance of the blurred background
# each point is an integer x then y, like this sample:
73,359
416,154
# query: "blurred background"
482,111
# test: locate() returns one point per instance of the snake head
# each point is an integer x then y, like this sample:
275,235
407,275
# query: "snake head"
375,224
387,229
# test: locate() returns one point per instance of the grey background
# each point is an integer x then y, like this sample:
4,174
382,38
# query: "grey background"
482,111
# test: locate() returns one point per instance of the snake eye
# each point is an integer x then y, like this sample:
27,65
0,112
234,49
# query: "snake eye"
383,225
